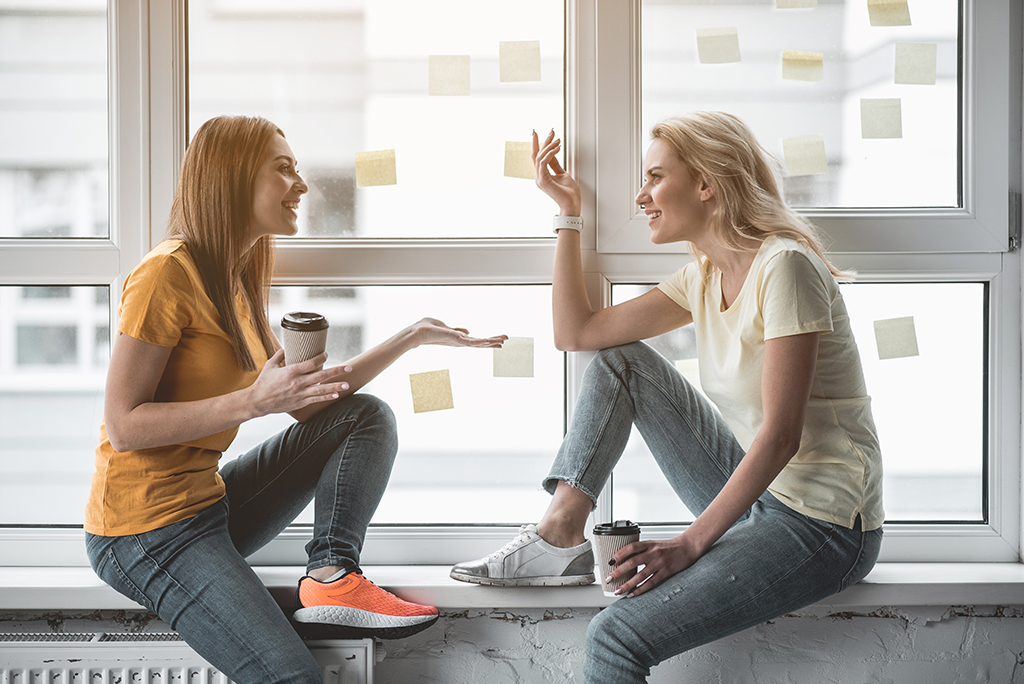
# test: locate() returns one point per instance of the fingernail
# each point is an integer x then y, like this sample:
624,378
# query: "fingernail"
608,580
344,386
611,561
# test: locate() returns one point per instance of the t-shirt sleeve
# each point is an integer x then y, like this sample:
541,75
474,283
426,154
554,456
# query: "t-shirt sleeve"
676,286
795,299
158,302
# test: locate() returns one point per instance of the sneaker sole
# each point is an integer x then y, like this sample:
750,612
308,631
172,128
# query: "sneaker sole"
567,581
341,622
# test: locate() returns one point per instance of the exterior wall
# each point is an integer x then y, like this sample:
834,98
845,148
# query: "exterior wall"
907,645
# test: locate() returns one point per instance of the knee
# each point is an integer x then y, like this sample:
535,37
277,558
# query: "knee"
615,649
622,357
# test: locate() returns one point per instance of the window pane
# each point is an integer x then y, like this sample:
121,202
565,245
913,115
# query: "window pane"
480,462
883,99
53,120
926,379
54,353
357,79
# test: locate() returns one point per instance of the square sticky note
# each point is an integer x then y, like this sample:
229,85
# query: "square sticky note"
881,118
431,391
805,155
796,4
896,338
449,74
718,45
888,13
514,359
915,63
518,163
803,66
375,168
518,60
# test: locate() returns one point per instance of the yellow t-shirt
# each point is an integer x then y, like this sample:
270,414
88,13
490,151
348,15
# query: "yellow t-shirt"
165,303
837,472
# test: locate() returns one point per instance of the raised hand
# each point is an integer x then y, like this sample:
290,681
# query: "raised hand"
552,178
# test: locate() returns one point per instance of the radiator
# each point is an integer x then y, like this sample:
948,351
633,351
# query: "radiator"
155,658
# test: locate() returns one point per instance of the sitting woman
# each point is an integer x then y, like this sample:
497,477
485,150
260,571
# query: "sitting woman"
782,470
194,358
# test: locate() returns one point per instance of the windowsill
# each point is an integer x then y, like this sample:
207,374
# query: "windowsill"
889,584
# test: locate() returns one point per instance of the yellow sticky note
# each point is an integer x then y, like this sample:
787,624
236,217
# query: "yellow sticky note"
888,13
803,66
449,74
796,4
896,338
518,163
514,359
518,60
805,155
718,45
915,63
881,118
431,391
375,168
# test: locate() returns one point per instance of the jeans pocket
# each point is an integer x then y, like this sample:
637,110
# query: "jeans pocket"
110,571
867,554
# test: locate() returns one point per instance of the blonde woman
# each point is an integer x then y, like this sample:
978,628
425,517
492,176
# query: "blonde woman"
782,468
194,358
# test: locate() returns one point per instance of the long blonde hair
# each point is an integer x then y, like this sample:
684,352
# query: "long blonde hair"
212,211
721,149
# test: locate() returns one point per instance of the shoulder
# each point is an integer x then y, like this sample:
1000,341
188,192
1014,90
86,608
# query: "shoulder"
793,260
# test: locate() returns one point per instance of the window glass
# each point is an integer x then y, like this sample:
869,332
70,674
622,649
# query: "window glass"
54,352
481,461
858,101
53,120
358,79
926,379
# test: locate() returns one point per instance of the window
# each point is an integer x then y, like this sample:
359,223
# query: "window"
458,235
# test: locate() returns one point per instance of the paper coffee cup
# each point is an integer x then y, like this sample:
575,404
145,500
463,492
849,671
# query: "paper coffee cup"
609,538
305,336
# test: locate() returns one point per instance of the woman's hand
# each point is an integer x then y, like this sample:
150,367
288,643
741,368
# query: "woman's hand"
661,559
433,331
280,388
552,178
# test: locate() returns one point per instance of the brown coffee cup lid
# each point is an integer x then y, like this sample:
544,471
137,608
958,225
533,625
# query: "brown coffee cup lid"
303,320
616,528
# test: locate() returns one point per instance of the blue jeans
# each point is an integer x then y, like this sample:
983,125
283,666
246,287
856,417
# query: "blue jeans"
772,561
193,573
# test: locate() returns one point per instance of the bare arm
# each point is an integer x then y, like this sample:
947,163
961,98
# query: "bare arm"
786,387
134,420
577,326
362,369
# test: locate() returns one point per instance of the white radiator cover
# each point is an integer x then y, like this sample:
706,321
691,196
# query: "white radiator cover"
154,658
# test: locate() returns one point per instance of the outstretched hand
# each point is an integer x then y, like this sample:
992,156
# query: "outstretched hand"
433,331
552,178
660,560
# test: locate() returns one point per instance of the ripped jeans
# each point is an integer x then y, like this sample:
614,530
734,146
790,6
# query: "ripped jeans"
772,561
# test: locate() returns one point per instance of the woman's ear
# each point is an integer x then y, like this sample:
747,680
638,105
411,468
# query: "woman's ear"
707,190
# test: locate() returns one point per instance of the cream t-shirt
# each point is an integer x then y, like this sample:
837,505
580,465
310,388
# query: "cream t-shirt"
837,472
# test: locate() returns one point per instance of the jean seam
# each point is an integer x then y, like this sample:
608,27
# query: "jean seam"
267,485
127,580
687,418
213,615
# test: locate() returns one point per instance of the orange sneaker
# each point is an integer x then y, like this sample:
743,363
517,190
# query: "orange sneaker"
354,607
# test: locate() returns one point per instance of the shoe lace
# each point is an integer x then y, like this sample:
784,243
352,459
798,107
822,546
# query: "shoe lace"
524,535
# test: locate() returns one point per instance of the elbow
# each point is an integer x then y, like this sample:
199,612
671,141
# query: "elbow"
119,441
567,343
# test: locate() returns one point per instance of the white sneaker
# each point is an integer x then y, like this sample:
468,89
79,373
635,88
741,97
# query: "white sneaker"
529,561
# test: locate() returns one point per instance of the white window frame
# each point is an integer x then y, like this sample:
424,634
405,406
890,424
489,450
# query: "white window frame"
147,137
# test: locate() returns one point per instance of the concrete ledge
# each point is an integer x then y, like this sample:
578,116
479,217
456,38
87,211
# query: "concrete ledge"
889,584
